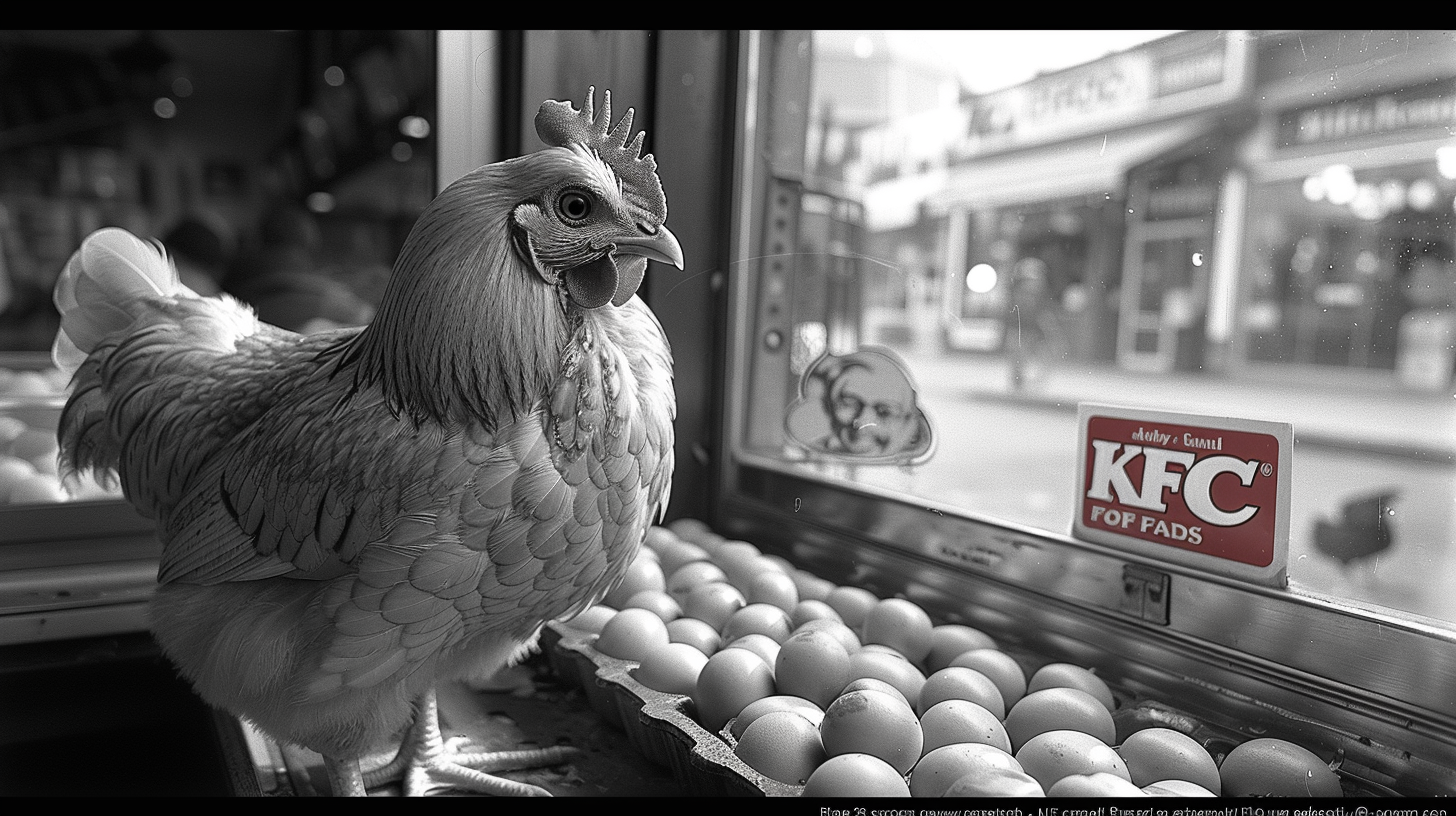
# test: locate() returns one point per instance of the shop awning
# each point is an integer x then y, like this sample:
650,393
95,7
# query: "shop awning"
1092,164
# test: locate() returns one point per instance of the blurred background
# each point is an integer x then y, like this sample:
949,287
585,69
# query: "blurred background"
284,167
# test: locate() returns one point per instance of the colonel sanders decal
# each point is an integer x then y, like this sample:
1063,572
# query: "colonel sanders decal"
860,408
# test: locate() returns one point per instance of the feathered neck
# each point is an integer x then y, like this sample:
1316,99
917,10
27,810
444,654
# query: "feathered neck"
465,330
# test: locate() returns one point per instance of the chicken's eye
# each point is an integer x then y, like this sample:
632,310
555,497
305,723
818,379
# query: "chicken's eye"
573,206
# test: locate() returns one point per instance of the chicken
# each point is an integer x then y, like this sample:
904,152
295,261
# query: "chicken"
351,517
1364,528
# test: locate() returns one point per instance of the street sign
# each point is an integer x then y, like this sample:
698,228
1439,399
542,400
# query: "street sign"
1206,492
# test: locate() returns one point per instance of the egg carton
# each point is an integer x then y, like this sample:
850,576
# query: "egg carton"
663,727
659,725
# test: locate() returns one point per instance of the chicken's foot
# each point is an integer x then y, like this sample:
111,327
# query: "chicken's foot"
427,763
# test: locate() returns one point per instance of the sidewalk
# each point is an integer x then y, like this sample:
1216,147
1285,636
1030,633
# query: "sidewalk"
1373,418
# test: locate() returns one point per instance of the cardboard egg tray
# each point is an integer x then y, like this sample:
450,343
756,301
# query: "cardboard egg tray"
659,725
662,727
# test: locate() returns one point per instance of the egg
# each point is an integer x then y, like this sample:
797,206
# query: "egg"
853,604
782,745
1069,675
693,530
835,627
811,587
781,563
712,603
953,721
874,723
631,634
729,681
672,668
739,561
996,783
758,619
774,588
1157,754
59,380
938,769
48,464
30,384
901,625
1055,709
1002,668
813,665
34,443
871,684
676,554
961,683
695,633
1269,766
1051,755
1093,785
657,602
681,582
644,573
897,671
657,538
13,473
762,645
10,428
949,640
775,702
856,775
1176,787
807,610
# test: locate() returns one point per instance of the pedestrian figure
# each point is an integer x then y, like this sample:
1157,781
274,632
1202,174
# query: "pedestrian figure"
1030,324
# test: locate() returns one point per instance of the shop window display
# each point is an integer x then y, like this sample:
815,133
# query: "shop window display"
1240,223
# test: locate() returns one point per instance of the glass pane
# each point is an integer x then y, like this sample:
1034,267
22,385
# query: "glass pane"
990,227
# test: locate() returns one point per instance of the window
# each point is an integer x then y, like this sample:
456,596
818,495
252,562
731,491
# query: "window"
956,237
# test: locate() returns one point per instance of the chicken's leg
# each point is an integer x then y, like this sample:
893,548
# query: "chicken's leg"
427,763
344,777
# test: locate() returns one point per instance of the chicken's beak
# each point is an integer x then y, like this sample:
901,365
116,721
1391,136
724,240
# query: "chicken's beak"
615,279
658,245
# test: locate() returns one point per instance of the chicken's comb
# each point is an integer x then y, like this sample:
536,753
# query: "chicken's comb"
560,124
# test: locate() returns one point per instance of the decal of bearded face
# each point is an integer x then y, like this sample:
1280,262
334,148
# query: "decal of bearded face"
860,407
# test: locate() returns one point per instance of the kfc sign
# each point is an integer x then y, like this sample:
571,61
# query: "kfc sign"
1208,492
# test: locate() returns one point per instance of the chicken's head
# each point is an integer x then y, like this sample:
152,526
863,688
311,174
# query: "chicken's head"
600,212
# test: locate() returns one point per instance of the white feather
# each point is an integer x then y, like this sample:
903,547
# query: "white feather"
111,268
128,263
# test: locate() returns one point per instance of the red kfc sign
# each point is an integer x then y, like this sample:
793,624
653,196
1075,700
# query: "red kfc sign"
1209,492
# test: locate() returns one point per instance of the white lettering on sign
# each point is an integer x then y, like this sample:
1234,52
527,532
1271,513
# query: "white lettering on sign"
1111,483
1124,519
1198,489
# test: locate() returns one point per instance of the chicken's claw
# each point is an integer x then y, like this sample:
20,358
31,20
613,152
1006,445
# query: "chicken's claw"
427,763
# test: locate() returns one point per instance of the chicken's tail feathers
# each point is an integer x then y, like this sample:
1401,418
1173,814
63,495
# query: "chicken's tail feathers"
111,267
